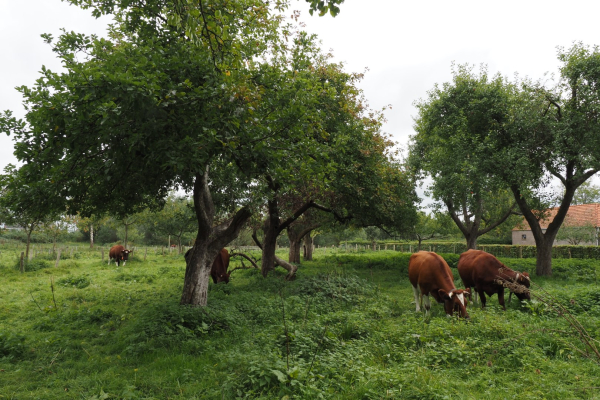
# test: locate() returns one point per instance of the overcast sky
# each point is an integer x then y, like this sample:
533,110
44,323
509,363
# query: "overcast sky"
407,46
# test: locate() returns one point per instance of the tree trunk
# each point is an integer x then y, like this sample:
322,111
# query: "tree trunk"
197,274
294,253
543,262
471,241
545,240
209,241
295,239
126,228
91,236
290,268
308,247
268,250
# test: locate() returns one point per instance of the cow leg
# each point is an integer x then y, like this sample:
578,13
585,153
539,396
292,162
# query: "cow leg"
501,298
427,304
416,293
482,297
509,296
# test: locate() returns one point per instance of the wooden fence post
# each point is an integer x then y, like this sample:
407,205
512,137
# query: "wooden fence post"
22,264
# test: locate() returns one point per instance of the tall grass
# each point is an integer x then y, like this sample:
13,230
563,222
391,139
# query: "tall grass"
88,330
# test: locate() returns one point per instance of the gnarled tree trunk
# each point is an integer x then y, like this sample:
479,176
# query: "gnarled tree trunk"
209,241
296,233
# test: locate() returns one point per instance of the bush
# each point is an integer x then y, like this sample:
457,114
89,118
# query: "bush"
11,346
32,265
334,286
78,282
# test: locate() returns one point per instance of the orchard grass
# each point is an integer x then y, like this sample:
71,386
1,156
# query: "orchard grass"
346,328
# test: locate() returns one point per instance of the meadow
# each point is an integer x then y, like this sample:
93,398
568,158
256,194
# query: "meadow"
346,328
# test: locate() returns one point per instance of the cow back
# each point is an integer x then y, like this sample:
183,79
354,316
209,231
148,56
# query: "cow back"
218,272
116,251
430,272
477,267
480,269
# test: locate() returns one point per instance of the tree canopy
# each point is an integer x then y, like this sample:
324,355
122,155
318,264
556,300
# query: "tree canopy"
524,133
448,144
220,99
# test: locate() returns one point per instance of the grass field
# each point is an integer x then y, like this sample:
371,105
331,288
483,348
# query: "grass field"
346,328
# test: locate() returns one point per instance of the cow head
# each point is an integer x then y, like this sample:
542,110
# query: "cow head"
523,279
455,301
224,277
125,254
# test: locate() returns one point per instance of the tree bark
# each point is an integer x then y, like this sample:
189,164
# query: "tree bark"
471,229
209,241
545,240
471,241
294,253
308,247
296,233
290,268
91,236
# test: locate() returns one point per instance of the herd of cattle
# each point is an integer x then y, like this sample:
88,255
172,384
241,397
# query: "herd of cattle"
429,274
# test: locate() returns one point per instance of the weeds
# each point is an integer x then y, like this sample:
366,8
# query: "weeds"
345,329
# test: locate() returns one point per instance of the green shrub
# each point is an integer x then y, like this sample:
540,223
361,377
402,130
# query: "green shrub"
32,265
78,282
334,286
12,346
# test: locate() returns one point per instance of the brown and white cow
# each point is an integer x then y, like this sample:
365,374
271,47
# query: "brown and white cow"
218,270
118,253
484,272
430,274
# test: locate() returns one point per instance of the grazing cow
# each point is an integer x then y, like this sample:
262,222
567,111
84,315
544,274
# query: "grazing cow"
430,274
118,253
483,271
218,271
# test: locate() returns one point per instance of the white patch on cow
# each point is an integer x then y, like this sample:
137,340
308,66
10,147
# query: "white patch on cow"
427,302
517,278
450,294
461,298
416,293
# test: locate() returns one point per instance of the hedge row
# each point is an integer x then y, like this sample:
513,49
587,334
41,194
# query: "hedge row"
498,250
577,269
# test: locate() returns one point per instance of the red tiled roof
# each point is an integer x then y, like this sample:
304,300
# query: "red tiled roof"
579,215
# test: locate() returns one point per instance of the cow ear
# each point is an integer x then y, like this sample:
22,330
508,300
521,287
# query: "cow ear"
526,275
444,295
